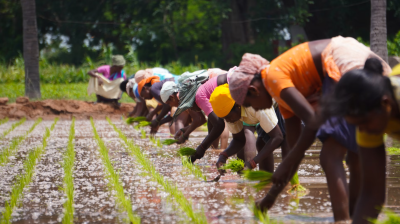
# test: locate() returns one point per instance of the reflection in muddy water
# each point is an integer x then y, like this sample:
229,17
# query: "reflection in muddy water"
226,201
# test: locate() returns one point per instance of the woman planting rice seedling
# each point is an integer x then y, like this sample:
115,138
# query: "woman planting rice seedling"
150,88
370,101
194,95
106,79
295,80
269,131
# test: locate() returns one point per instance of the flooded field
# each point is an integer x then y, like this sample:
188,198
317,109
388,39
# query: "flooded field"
139,179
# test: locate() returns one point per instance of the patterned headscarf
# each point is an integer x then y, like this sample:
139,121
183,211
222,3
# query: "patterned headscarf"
241,77
187,92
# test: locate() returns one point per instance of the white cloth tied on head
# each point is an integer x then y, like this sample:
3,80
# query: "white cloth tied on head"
168,89
129,85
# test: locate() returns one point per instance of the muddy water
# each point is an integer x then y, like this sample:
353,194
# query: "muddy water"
227,201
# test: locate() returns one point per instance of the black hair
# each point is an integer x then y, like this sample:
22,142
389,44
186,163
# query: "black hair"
122,86
358,92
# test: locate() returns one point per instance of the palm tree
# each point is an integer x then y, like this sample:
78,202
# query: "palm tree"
31,49
378,35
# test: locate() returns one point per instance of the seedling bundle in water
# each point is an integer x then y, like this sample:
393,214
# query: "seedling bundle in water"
263,176
131,120
186,151
235,165
142,124
169,141
296,186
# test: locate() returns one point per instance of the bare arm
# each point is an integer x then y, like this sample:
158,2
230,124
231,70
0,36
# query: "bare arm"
218,128
154,112
373,184
237,143
93,73
274,142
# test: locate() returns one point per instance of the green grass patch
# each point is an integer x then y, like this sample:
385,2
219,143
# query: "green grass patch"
391,218
3,121
71,91
142,124
114,180
176,194
192,168
68,165
26,177
13,126
12,149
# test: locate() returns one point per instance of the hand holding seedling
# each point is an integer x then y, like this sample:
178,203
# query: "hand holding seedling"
220,164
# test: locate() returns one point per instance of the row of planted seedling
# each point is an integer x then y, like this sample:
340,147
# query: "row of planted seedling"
25,177
175,194
115,184
13,147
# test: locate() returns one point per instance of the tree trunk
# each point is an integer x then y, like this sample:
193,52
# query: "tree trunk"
236,29
378,36
31,49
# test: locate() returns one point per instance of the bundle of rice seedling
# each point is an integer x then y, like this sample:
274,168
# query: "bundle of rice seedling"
296,186
263,176
169,141
142,124
131,120
186,151
235,165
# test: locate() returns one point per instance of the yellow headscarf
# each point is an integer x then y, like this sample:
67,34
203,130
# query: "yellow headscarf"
395,70
222,101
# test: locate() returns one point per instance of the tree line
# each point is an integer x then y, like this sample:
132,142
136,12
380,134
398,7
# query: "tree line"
217,31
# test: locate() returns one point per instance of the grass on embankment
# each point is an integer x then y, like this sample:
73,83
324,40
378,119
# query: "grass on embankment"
73,91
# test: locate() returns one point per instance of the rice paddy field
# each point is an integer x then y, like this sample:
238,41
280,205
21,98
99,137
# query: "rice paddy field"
105,171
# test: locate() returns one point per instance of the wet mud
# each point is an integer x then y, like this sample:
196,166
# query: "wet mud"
227,201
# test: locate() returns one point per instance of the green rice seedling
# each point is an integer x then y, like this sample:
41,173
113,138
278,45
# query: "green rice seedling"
5,120
186,151
391,218
148,166
143,132
193,169
159,143
263,176
25,177
393,151
169,141
235,165
11,150
142,124
296,186
114,179
68,165
131,120
13,126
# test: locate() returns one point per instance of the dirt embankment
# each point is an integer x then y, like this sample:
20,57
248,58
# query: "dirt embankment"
49,109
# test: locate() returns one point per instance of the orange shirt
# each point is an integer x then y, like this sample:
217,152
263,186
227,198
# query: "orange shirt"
294,68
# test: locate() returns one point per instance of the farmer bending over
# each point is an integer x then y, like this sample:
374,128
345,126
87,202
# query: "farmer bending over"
106,79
